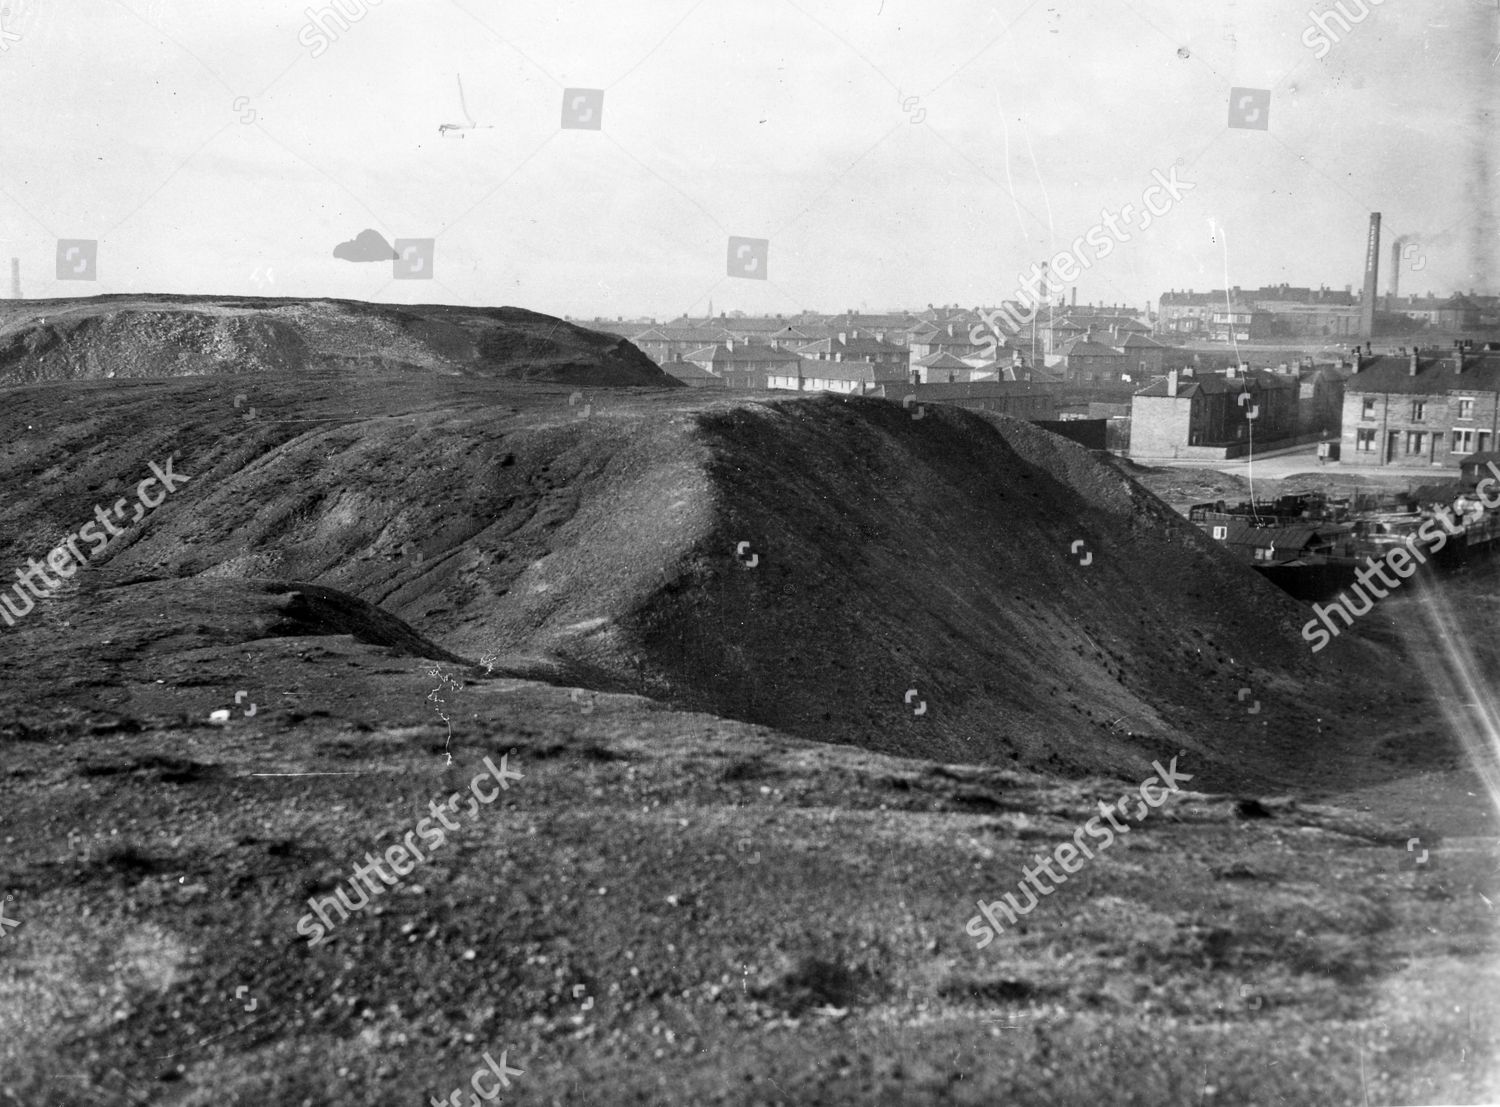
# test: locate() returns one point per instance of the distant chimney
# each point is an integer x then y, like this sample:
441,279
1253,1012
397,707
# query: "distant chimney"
1412,365
1075,295
1358,360
1458,358
1372,277
1172,382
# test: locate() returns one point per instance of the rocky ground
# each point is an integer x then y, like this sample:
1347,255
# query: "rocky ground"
791,683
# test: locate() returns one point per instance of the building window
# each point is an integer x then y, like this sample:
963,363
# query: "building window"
1465,408
1418,410
1482,443
1414,442
1221,533
1463,441
1364,440
1368,410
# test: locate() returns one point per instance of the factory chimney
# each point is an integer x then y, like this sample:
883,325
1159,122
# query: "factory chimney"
1372,273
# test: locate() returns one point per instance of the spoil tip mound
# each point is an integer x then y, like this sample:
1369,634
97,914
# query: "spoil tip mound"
169,336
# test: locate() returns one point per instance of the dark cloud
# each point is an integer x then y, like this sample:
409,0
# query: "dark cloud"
368,245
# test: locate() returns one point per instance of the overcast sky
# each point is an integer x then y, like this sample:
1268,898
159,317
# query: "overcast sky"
892,152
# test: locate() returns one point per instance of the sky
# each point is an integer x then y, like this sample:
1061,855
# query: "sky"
888,153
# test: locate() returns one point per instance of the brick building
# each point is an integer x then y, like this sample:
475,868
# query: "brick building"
1087,361
856,345
1205,415
859,377
744,364
1421,407
1251,314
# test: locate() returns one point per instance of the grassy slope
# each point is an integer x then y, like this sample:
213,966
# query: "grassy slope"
757,918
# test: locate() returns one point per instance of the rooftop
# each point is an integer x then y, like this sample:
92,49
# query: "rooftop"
1437,373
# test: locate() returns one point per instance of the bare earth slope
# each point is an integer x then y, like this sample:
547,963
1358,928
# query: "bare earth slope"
385,577
919,585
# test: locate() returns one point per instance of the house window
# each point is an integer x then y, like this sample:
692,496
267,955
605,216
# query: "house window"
1463,441
1465,408
1221,533
1367,411
1418,410
1414,442
1482,443
1364,440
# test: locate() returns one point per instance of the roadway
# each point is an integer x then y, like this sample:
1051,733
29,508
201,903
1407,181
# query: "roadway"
1277,464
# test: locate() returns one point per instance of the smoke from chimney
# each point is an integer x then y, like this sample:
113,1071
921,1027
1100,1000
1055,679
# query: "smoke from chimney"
1395,295
1486,84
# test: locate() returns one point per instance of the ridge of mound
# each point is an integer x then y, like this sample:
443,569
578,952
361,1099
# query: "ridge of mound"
963,587
165,336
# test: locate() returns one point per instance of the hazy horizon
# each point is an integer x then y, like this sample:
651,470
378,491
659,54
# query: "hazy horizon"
890,156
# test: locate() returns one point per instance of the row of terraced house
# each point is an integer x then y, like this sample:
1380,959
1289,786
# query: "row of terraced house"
1078,344
950,354
1422,407
1428,407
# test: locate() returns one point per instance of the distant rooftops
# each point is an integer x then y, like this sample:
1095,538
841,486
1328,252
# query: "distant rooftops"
1277,293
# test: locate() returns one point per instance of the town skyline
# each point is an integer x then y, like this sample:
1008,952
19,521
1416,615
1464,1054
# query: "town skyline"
605,163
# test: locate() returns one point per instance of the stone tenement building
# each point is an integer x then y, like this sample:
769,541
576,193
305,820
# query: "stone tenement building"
1421,407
